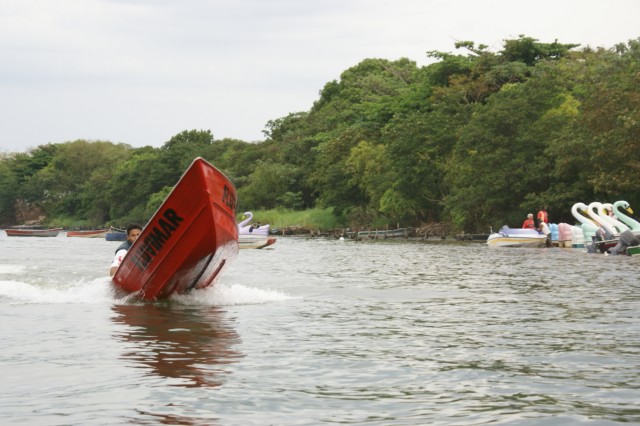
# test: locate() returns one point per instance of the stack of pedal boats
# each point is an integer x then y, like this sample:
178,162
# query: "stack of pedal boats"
604,228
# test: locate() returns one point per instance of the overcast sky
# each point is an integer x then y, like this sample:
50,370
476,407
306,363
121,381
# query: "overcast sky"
141,71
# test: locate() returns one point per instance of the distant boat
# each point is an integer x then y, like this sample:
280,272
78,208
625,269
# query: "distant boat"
516,237
633,251
247,228
115,234
254,241
92,233
188,241
32,232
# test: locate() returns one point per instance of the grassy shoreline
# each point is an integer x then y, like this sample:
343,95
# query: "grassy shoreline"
320,220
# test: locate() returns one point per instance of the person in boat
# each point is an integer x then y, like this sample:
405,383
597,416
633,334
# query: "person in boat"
543,228
133,232
529,223
543,216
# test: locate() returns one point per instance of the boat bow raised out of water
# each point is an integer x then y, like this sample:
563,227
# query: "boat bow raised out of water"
189,240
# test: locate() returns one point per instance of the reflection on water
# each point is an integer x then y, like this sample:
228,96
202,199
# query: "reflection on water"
188,344
325,332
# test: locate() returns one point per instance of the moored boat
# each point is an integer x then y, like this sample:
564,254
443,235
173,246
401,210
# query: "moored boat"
633,251
587,226
631,222
628,240
115,234
189,240
565,235
516,237
91,233
247,228
32,232
254,241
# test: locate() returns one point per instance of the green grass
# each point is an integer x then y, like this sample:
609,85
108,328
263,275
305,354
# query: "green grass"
313,219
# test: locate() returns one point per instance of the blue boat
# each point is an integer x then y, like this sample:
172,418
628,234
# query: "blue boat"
115,234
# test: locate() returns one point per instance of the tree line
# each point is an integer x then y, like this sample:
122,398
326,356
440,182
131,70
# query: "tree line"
476,139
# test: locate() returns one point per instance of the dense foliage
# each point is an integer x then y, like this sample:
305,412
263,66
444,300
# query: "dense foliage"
477,139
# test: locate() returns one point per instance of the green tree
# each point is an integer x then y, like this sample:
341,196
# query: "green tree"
178,153
370,170
530,51
269,182
8,191
132,184
612,115
500,157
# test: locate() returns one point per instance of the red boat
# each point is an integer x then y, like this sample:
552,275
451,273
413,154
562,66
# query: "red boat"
93,233
189,240
28,232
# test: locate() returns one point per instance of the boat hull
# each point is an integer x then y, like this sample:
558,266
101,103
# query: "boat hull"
262,230
189,240
501,241
115,236
633,251
254,242
53,232
516,237
96,233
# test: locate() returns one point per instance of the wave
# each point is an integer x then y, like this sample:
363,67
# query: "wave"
100,291
223,294
95,291
12,269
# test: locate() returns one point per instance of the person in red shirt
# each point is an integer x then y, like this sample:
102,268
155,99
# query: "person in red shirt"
529,223
543,216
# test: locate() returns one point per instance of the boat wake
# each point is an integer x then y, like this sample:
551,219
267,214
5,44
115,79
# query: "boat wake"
96,291
231,294
101,291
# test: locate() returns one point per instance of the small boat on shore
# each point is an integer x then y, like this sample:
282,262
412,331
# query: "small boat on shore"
516,237
90,233
32,232
633,251
188,242
247,228
254,241
115,234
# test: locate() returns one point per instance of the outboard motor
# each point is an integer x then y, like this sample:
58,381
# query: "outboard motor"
627,239
601,235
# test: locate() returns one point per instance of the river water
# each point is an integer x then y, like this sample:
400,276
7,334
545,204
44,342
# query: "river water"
320,331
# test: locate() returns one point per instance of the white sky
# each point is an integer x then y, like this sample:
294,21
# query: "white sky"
141,71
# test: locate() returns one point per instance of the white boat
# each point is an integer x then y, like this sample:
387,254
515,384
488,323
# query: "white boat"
254,241
247,228
516,237
595,212
587,225
633,224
